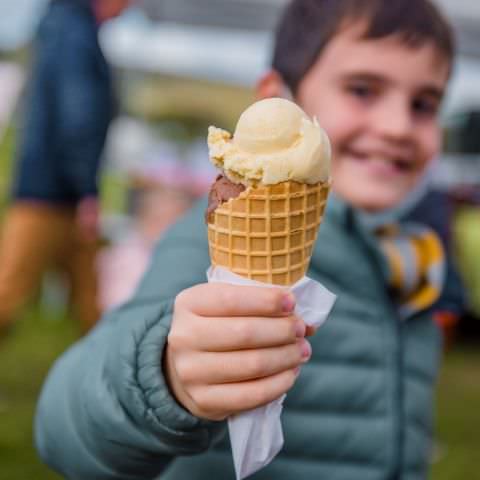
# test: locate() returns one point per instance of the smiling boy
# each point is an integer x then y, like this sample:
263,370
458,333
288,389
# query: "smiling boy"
149,387
376,95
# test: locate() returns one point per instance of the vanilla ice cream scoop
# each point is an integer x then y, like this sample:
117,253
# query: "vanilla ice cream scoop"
274,141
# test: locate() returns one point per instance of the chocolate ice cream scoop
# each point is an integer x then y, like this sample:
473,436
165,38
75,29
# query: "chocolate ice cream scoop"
221,191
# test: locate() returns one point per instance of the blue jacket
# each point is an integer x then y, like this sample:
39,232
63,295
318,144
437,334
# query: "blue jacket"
360,409
68,108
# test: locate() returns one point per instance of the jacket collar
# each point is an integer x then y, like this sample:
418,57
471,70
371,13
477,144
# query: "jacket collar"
352,221
338,210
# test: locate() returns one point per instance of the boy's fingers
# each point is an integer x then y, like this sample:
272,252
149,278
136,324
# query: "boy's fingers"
230,367
234,398
238,333
224,300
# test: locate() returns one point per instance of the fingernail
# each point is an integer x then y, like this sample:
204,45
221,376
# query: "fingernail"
288,303
306,350
300,329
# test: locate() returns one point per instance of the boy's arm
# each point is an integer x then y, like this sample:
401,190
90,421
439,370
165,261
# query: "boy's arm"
105,411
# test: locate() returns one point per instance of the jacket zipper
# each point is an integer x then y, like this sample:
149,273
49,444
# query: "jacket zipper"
399,401
398,391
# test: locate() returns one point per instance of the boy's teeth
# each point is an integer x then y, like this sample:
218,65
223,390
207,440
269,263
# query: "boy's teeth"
398,163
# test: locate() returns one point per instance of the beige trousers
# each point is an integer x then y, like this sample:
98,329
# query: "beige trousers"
38,237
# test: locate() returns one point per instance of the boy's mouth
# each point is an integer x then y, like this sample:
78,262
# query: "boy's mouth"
380,164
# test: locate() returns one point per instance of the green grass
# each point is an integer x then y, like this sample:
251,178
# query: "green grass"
6,152
458,416
467,240
25,357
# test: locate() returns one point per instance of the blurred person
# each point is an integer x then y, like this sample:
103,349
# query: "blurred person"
52,217
147,392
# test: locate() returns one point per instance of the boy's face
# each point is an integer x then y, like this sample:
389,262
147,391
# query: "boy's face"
378,100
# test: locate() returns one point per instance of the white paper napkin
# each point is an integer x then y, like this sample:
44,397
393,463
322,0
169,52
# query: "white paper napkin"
256,436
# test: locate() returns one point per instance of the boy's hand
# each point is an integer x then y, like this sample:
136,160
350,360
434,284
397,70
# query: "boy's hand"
233,348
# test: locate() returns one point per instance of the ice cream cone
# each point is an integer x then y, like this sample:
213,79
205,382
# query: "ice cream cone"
267,233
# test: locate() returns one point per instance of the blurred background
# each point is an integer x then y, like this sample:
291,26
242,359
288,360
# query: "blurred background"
179,66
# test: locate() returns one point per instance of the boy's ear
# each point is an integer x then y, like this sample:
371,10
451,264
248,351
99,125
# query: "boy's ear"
271,85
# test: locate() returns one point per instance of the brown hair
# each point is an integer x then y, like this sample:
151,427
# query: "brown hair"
307,26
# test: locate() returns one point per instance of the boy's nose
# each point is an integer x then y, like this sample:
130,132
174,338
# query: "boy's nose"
393,120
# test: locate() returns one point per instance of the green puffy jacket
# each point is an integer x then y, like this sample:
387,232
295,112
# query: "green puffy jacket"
361,409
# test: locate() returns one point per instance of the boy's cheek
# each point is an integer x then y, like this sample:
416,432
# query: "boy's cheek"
340,130
367,192
365,197
334,114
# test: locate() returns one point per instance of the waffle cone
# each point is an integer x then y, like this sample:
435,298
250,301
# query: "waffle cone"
267,233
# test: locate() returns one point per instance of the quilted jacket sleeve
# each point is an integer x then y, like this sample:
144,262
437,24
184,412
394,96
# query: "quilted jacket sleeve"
105,411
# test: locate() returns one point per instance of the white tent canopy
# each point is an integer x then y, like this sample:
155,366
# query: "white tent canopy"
236,51
19,18
230,55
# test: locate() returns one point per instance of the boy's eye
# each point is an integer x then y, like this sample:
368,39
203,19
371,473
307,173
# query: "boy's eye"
361,90
425,106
